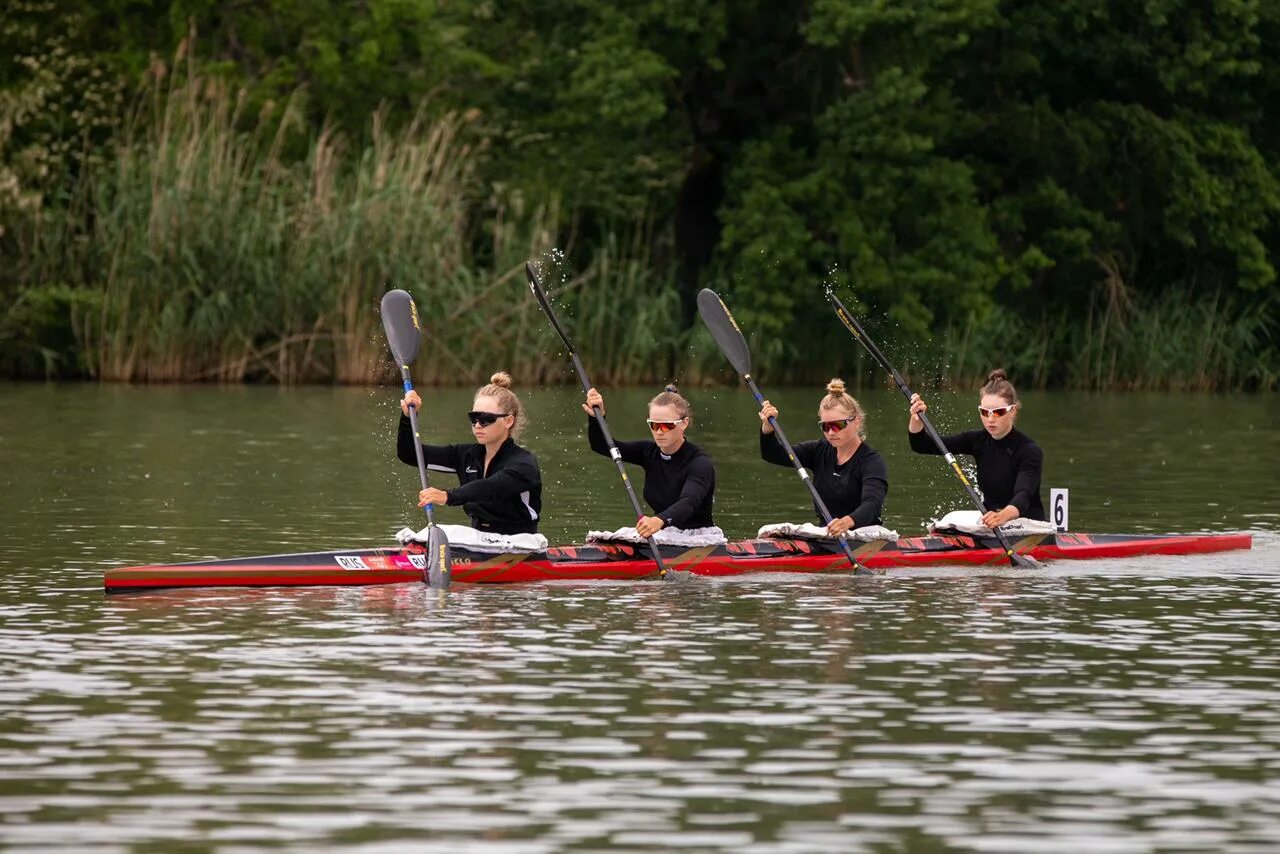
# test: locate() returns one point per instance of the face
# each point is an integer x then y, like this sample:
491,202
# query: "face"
998,425
847,435
497,432
668,440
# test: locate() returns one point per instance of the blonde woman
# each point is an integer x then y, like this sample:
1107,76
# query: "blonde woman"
849,475
499,482
679,477
1008,461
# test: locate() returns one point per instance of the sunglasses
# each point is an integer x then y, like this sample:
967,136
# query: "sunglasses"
998,412
484,419
664,426
837,425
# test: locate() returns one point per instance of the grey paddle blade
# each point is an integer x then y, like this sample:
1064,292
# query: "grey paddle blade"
535,285
400,320
439,559
723,328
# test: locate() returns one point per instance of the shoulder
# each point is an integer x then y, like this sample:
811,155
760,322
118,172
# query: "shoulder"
697,456
1026,444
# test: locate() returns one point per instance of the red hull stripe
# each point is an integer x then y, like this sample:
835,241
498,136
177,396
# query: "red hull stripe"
390,566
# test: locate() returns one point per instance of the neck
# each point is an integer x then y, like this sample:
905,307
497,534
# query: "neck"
844,454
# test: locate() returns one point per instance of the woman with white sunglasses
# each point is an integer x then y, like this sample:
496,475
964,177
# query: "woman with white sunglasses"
499,482
679,477
850,476
1008,461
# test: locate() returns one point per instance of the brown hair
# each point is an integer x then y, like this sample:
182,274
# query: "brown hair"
838,397
999,385
670,397
499,388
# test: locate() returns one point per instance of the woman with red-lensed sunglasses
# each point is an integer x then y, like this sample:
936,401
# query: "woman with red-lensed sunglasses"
679,477
499,482
1008,461
850,476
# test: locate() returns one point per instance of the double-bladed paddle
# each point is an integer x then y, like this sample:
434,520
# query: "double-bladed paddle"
400,320
715,314
851,323
535,285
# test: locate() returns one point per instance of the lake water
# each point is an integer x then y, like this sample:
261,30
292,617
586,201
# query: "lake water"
1102,706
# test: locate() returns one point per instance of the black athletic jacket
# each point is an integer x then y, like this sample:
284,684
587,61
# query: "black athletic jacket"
506,500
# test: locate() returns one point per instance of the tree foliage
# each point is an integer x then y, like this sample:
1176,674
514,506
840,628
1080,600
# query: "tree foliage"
946,162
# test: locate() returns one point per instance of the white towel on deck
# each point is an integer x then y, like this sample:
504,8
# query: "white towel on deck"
810,531
464,537
970,522
712,536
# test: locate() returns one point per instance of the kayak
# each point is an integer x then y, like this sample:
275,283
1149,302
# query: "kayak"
620,562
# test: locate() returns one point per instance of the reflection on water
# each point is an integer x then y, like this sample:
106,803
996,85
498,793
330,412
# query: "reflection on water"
1108,706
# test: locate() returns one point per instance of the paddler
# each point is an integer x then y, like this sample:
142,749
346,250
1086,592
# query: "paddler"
850,476
1008,461
679,477
500,483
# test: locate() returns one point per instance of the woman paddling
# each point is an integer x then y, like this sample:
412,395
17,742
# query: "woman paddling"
500,485
1009,462
679,477
850,476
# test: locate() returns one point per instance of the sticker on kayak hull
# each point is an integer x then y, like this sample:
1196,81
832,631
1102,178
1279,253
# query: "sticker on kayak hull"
419,561
350,561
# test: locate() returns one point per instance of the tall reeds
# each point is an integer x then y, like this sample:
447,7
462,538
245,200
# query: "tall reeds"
214,256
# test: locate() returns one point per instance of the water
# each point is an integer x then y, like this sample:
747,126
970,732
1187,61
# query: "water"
1103,706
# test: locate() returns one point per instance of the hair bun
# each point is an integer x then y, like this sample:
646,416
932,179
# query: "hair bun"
502,379
671,387
836,386
998,375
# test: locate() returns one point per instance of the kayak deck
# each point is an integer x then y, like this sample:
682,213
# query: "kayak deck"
402,564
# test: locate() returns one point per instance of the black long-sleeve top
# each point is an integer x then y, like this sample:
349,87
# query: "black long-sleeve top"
1008,468
857,488
507,499
679,488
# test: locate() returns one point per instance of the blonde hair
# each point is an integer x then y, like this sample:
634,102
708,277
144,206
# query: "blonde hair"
499,388
999,385
838,397
670,397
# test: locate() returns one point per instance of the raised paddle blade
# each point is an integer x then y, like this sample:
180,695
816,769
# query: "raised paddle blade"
439,559
715,314
540,294
400,320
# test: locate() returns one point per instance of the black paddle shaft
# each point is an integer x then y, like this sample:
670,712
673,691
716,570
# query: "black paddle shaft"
535,285
724,329
851,323
404,335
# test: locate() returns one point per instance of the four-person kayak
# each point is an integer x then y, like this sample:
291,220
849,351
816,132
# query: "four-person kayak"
404,564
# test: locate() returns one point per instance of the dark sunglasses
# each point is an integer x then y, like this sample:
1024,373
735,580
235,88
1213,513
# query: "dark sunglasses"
837,425
484,419
664,426
997,412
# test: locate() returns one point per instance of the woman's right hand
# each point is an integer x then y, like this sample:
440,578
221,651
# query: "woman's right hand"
594,400
918,407
767,411
411,399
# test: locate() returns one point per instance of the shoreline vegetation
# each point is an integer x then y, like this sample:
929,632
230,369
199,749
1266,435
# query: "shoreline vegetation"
201,232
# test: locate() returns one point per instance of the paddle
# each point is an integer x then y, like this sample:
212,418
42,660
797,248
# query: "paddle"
734,346
851,323
400,320
535,285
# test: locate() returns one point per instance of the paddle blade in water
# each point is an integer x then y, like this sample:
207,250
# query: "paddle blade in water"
400,320
723,328
439,559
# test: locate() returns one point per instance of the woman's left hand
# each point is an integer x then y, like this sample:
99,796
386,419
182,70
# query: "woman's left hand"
995,518
839,526
432,495
649,525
